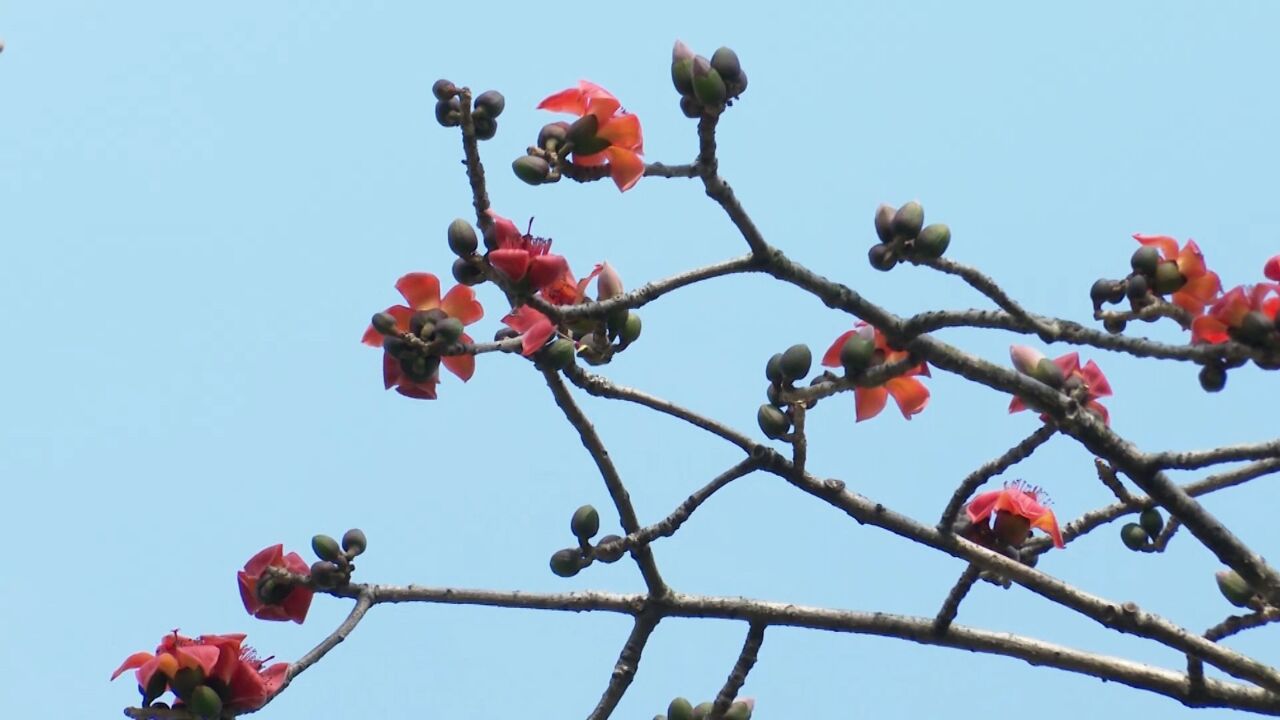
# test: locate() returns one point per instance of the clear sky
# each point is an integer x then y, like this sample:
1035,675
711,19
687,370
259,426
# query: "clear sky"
201,205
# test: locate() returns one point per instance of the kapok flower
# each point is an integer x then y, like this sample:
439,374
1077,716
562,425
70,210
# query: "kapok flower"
422,292
910,394
1017,509
1089,375
523,256
1229,312
534,327
220,662
270,598
616,128
1202,285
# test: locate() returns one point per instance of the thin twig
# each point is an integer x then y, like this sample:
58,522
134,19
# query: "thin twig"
978,281
951,606
990,469
1192,459
741,668
624,670
646,293
1228,627
1107,474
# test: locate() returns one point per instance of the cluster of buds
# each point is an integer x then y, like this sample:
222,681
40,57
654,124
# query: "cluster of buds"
706,87
209,675
903,234
335,564
585,524
1084,384
682,709
605,140
485,109
1139,536
1161,273
783,371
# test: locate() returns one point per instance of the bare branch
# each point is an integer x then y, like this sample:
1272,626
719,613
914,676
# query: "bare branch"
1046,329
648,292
1107,475
1193,459
951,606
624,671
738,676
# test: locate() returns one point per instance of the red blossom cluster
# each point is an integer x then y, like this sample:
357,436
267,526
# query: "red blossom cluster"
1016,508
211,673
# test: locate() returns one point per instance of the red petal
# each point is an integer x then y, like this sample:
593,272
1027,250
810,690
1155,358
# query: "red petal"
625,167
461,303
512,262
981,506
464,366
1208,329
421,290
570,101
910,394
1168,246
390,371
1017,405
546,269
603,108
135,660
1191,260
831,358
508,235
418,391
1048,523
248,592
205,656
1097,382
1272,268
869,401
591,160
297,603
623,132
1069,363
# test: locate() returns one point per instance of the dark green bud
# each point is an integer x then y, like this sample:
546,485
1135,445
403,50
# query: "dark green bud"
325,575
1106,291
680,709
486,128
1168,278
708,86
396,346
884,222
559,354
530,169
1144,260
1254,328
774,394
1136,287
630,331
492,102
796,362
773,369
185,681
1152,521
583,130
449,112
1234,588
1213,377
738,711
156,686
725,62
908,220
205,702
384,323
933,240
702,711
585,522
467,273
682,68
273,590
420,321
354,542
773,422
1048,373
553,135
690,106
1133,536
443,89
325,547
882,257
566,562
609,556
449,330
462,238
1113,325
857,353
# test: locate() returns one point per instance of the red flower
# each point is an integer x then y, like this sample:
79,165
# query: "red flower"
422,291
534,327
1230,310
524,256
1202,285
241,681
274,599
1017,509
1090,376
910,394
618,128
1272,268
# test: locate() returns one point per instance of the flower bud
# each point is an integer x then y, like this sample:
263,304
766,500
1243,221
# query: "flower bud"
443,89
325,575
585,522
857,353
1144,260
492,102
739,710
609,283
559,354
680,709
796,361
609,556
1106,291
486,128
702,711
773,369
1048,372
773,422
1254,328
725,61
395,346
882,257
690,106
1234,588
1213,377
530,169
933,240
682,68
462,238
384,323
630,329
1133,536
1114,325
449,112
566,562
354,542
325,547
1152,521
1168,278
908,220
884,222
708,86
185,681
1025,359
156,687
1136,287
449,330
467,273
205,703
583,130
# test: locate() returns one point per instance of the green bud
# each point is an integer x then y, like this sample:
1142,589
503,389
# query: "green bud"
423,322
680,709
1136,287
1254,328
462,238
882,257
205,703
325,547
1152,521
702,711
1213,377
1144,260
1133,536
566,562
773,369
908,220
272,590
1048,373
933,240
725,62
583,130
738,711
796,362
1234,588
559,354
384,323
1168,278
486,128
884,222
492,102
449,330
773,422
532,170
156,687
467,273
325,575
449,112
856,354
630,331
690,107
556,132
682,68
185,681
585,522
354,542
1115,326
609,556
1106,291
443,89
396,346
708,86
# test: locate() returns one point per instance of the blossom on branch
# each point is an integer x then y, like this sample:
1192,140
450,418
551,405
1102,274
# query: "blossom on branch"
1017,509
1200,285
534,328
216,669
1063,373
523,257
1246,313
909,393
272,598
605,134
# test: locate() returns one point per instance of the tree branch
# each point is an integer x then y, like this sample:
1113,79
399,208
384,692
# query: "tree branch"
738,675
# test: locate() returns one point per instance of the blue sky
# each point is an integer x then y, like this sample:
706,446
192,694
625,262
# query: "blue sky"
201,206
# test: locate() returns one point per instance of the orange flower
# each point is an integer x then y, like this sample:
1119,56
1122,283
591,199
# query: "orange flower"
1202,284
222,662
1017,508
618,129
1027,361
1229,311
910,394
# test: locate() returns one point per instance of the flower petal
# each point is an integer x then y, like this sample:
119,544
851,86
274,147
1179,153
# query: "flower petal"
135,660
421,290
910,394
1048,523
831,358
569,101
390,371
512,262
982,505
460,302
1097,382
1167,246
625,167
623,132
1272,268
869,401
464,366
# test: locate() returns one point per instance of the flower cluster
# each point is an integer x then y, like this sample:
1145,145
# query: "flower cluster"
865,347
1016,509
604,135
1246,313
210,673
1064,373
272,598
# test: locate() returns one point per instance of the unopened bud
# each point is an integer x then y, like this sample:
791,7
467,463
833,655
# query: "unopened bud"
708,86
449,330
1168,278
566,562
1213,377
462,238
556,132
325,547
908,220
449,112
205,703
530,169
682,68
1152,521
467,273
631,327
325,575
773,369
492,102
680,709
796,362
933,240
354,542
1133,536
1025,359
585,522
1234,588
559,354
1144,260
725,61
384,323
609,283
882,257
857,353
443,89
773,422
611,555
884,222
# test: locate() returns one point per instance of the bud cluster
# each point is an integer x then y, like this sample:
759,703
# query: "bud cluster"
485,109
706,87
784,370
585,524
681,709
903,234
1139,536
335,565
